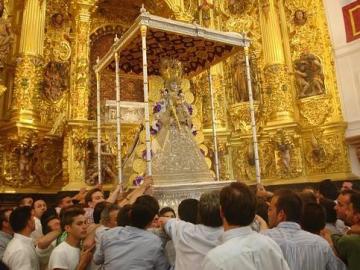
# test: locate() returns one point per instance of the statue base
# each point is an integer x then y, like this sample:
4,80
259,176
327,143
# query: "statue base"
172,195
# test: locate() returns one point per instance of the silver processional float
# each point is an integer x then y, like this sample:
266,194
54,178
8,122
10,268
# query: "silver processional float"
140,38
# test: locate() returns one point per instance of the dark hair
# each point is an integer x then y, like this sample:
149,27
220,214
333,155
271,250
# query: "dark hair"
314,218
209,209
290,203
355,200
3,216
329,207
150,201
98,209
262,209
88,196
165,210
105,213
188,210
3,266
48,215
61,196
123,218
328,189
307,197
143,211
67,215
238,204
19,218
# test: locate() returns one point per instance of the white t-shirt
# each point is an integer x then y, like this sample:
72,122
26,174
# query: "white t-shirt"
64,256
20,254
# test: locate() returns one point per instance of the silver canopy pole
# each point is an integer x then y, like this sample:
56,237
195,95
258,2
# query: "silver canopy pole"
252,115
143,30
118,124
213,119
98,125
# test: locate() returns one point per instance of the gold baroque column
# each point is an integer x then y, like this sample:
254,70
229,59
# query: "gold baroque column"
78,126
81,67
278,98
28,72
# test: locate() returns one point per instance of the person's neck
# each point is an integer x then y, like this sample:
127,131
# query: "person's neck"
72,241
26,232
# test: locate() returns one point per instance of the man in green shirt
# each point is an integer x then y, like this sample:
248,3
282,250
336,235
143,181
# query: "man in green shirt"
348,246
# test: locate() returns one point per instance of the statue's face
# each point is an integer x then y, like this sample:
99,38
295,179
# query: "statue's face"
173,85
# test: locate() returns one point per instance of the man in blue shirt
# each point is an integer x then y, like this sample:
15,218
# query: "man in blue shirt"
133,247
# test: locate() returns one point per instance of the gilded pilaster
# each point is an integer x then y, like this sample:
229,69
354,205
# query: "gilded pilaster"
80,89
278,98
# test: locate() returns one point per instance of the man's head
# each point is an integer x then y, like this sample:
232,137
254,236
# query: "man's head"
314,218
188,210
328,190
39,208
108,216
353,212
64,200
4,220
238,205
209,209
26,201
346,185
285,205
73,221
167,212
50,222
144,211
93,197
342,204
22,220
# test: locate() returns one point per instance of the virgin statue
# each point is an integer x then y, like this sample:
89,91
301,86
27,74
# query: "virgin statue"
176,157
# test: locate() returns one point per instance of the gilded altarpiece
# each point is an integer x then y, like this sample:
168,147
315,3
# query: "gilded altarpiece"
48,101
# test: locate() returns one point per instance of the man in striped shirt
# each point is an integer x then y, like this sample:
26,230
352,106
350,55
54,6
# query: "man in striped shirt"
301,249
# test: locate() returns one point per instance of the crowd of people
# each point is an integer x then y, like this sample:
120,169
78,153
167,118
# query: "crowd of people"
238,227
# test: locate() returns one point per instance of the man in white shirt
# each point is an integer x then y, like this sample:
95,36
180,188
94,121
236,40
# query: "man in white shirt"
39,208
242,248
20,253
192,242
67,255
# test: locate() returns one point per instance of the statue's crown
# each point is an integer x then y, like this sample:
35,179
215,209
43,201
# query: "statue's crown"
171,70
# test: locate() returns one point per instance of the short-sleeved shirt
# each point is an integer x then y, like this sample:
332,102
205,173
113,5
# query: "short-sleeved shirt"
64,256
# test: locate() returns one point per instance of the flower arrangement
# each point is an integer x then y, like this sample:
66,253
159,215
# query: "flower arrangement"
138,180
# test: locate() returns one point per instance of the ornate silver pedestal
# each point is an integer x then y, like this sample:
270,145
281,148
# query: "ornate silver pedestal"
172,195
